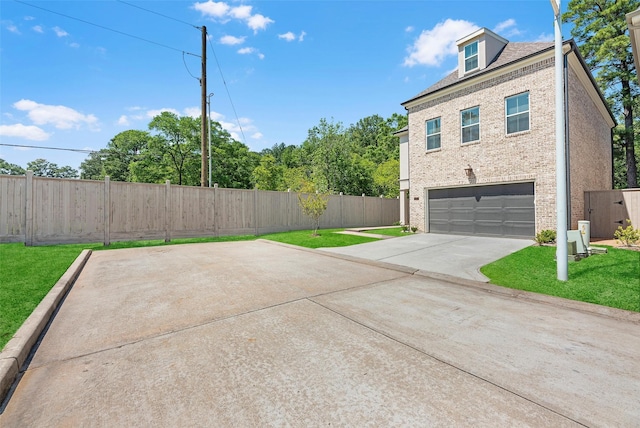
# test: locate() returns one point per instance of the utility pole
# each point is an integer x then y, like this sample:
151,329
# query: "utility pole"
203,99
561,162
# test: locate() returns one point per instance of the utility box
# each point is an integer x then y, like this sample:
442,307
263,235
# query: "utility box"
576,236
584,226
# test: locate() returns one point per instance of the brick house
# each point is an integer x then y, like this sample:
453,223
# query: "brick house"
478,155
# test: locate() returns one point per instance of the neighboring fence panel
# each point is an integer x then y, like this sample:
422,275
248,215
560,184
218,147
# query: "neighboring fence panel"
192,212
236,211
67,211
353,211
39,210
137,211
12,208
608,209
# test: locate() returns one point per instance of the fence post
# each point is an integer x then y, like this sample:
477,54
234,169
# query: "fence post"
216,230
364,210
167,211
381,217
107,211
289,209
255,207
28,193
341,212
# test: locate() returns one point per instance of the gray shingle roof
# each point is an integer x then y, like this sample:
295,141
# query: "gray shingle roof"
512,52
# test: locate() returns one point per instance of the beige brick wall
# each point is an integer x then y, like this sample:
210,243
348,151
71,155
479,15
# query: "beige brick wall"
590,149
500,158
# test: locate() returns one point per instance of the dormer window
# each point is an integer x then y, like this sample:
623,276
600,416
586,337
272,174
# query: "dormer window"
471,56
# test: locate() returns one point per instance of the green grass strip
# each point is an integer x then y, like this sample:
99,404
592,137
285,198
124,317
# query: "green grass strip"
611,279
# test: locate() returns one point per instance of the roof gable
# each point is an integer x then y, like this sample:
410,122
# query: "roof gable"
512,52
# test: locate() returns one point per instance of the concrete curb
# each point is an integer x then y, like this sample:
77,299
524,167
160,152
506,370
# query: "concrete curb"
16,351
605,311
385,265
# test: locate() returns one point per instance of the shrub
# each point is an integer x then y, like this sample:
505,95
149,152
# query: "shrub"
397,223
405,228
414,229
628,236
546,236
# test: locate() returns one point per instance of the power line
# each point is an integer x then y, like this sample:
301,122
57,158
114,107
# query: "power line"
49,148
228,94
107,28
159,14
188,71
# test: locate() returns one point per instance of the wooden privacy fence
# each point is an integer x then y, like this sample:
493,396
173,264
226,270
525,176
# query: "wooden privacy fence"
38,211
608,209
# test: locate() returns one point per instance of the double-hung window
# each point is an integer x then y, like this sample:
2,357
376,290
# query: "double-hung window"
471,56
470,121
433,134
517,113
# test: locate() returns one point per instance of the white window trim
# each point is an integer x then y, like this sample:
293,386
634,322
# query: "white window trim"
477,55
507,116
426,130
462,142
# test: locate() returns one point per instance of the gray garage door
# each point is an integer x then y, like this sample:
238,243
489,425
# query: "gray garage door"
500,210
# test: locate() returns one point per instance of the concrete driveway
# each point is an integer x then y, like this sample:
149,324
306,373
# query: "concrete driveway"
264,334
456,255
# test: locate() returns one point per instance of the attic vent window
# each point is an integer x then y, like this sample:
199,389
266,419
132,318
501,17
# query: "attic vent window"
471,56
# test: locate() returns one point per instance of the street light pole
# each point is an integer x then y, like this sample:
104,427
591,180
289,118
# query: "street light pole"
561,163
209,133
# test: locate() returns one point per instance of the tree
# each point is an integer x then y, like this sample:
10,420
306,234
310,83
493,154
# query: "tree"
178,142
313,205
268,175
44,168
387,178
7,168
600,28
122,151
92,168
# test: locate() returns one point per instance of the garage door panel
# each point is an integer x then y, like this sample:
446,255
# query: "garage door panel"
497,210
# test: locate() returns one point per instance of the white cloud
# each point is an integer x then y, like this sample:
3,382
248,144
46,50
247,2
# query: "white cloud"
29,18
241,12
433,46
222,12
10,26
259,22
232,40
409,29
153,113
257,136
246,51
60,32
195,112
261,55
59,116
289,36
22,131
74,45
216,116
124,120
212,8
510,25
545,37
37,29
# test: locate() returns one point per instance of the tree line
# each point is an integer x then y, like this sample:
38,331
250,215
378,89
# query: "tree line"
361,158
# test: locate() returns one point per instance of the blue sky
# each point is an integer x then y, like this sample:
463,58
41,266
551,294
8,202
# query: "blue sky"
287,64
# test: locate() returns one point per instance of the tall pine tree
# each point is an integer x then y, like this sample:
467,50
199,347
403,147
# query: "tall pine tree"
600,29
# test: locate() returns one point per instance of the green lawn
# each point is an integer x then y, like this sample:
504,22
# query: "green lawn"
327,238
611,279
395,231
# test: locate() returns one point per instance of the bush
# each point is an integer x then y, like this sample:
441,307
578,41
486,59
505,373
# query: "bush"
405,228
628,236
546,236
414,229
